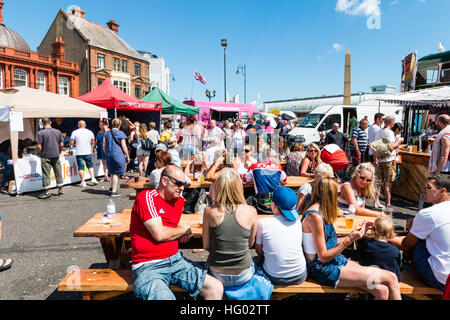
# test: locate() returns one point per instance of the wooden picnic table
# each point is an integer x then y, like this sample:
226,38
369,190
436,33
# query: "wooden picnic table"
114,237
143,183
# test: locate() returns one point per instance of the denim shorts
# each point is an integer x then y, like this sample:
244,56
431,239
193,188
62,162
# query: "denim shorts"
327,273
229,280
152,281
81,160
420,257
188,150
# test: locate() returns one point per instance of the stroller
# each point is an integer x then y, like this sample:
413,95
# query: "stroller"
336,158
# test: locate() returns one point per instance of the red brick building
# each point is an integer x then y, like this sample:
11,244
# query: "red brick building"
100,52
19,66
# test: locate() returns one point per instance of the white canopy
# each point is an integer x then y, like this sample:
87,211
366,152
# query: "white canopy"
35,103
438,97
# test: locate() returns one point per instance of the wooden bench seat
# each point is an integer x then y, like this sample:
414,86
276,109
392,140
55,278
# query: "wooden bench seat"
132,196
101,284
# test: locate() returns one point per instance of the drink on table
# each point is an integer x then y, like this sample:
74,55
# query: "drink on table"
387,212
111,208
350,217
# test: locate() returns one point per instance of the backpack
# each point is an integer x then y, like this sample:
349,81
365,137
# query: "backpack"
381,148
146,144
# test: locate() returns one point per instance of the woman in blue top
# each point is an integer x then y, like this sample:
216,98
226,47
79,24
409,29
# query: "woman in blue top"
103,125
322,249
116,154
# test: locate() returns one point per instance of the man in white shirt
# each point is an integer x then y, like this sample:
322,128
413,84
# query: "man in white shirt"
428,240
84,142
373,129
153,134
216,133
387,167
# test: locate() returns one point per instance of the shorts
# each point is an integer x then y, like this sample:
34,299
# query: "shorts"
230,280
152,281
327,273
84,159
420,257
387,171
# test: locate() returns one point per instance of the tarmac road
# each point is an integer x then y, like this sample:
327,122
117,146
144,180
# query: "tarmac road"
38,235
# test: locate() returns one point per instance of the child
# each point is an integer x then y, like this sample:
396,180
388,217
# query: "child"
378,251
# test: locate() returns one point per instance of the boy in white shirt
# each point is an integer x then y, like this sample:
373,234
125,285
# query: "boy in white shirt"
279,240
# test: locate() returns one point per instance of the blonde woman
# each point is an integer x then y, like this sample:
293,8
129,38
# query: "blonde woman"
116,154
323,251
358,189
311,161
142,155
229,231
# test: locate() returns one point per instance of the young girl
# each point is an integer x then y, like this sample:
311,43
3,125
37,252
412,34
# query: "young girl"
378,251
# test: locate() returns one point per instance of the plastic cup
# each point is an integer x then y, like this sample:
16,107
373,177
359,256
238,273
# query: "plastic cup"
388,212
349,221
136,179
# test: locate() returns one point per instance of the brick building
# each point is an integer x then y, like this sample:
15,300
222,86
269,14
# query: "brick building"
100,52
19,66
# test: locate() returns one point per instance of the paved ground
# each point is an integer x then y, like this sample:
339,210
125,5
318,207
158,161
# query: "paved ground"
37,234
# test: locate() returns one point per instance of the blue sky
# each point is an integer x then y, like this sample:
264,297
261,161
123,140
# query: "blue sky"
291,48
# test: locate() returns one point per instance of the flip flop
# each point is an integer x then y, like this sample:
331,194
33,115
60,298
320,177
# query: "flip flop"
4,264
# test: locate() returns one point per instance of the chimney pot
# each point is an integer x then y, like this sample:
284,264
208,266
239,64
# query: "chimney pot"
78,12
1,12
112,25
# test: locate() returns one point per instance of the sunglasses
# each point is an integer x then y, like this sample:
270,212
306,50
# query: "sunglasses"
315,151
364,179
176,182
427,187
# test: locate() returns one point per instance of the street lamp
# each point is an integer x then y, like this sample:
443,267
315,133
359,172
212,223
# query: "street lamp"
224,45
209,95
172,77
243,69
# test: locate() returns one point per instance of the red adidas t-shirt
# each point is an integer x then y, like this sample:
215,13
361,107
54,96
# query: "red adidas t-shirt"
148,205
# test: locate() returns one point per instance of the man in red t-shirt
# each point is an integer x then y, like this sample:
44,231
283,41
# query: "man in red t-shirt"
155,230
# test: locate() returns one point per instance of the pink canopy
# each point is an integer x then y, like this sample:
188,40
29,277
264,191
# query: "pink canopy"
109,96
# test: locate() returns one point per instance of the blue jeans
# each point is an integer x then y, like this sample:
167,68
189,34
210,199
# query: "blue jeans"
4,160
420,257
151,281
229,280
84,159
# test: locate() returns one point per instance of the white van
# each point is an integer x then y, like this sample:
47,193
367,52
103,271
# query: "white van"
323,117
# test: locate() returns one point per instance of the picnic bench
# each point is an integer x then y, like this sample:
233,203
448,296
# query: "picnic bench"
102,284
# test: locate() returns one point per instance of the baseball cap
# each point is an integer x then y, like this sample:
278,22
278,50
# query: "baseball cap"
161,147
286,200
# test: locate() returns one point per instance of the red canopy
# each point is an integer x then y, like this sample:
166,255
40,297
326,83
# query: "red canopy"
109,96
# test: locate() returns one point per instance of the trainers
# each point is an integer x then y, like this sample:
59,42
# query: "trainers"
83,184
45,196
94,181
115,194
60,192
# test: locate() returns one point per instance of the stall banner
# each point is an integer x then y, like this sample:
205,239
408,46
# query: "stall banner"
28,172
409,72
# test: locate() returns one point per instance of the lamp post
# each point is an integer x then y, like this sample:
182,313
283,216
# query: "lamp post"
209,95
172,77
243,69
224,45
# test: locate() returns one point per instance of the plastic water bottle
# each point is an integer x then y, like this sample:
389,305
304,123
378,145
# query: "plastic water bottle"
111,208
105,220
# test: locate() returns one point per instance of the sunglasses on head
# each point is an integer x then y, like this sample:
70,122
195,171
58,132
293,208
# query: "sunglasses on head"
176,182
364,179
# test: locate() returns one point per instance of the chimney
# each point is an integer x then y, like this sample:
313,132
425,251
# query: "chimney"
77,12
112,25
59,51
347,80
1,12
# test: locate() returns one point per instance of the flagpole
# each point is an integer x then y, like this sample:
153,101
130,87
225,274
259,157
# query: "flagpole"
192,88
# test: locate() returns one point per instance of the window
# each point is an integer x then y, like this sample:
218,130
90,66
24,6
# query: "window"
137,91
445,73
327,124
100,61
244,117
1,78
99,81
41,81
311,120
427,75
122,85
137,69
64,86
20,78
116,64
124,66
259,119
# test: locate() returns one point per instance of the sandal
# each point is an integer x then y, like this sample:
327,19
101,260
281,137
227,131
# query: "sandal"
4,264
45,196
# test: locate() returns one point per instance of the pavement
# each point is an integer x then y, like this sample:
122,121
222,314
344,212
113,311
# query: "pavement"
38,235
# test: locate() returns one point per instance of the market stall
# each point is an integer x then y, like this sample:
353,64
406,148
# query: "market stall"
118,103
421,108
20,109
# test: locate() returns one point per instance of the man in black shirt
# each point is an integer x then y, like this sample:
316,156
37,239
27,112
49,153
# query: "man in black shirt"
336,137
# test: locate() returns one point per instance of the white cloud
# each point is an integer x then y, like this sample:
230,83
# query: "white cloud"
394,2
359,7
337,47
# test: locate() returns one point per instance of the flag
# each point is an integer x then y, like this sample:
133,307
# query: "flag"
199,77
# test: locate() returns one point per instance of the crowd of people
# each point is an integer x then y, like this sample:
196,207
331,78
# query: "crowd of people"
299,241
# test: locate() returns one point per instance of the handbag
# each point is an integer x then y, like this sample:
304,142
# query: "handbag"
117,142
146,144
381,148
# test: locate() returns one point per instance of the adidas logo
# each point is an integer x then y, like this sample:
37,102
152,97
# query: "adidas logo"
162,211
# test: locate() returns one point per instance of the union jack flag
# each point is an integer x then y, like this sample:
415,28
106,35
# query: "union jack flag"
199,77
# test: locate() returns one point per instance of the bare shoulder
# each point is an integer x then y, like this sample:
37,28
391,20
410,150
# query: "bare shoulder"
249,210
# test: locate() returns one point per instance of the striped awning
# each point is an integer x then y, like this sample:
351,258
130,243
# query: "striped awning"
434,97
